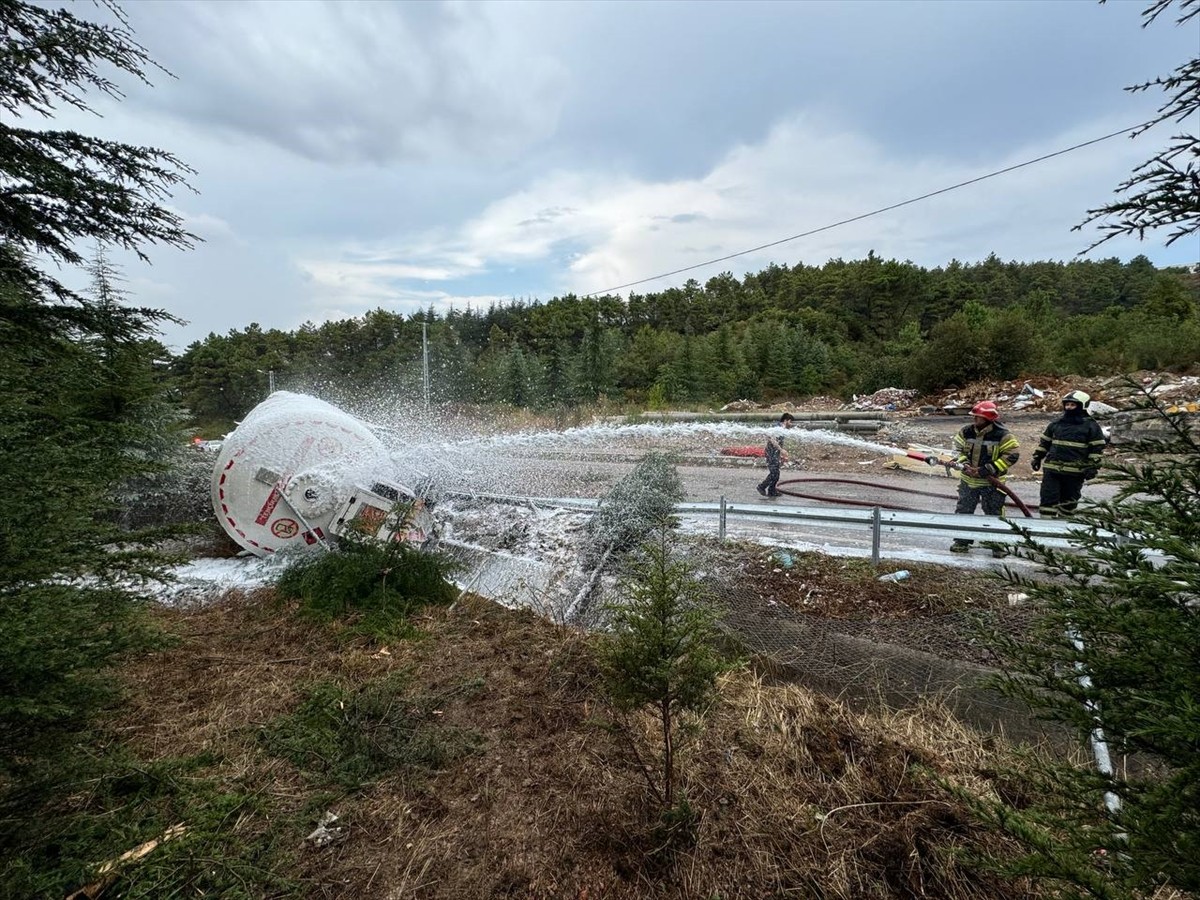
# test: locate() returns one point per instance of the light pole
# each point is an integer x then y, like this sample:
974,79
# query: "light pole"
425,360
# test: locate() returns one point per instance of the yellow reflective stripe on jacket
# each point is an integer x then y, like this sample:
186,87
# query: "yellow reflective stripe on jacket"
1073,457
995,446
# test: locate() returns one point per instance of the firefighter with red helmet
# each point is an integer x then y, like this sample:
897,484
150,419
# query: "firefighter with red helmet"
1069,452
985,450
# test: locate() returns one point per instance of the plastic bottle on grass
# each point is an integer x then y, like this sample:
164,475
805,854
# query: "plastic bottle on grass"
895,576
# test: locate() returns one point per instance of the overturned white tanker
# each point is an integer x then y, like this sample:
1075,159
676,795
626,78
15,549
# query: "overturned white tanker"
297,472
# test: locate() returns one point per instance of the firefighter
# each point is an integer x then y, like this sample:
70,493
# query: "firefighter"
1069,452
985,450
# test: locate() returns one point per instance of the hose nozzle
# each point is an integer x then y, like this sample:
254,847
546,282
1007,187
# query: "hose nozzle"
923,457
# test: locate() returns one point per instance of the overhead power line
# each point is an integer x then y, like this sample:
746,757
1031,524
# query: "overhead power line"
874,212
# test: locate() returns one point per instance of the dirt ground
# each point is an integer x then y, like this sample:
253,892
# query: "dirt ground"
939,609
791,794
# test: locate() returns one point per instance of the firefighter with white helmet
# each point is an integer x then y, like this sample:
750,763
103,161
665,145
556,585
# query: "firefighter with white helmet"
1069,454
985,450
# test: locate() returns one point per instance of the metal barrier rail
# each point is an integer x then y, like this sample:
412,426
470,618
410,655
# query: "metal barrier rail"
1050,532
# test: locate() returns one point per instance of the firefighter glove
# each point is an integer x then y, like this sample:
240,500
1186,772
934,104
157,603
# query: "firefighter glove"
1035,463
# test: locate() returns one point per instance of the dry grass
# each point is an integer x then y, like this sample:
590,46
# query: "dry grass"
793,794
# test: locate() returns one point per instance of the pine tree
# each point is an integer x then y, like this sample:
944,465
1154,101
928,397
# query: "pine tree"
1164,191
1114,653
65,434
57,187
133,421
662,654
65,613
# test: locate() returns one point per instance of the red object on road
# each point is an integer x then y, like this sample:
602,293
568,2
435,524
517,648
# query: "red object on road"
743,451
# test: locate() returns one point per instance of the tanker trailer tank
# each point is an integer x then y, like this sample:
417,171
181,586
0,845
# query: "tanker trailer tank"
297,472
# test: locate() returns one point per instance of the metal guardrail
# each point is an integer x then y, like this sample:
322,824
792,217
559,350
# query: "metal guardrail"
880,522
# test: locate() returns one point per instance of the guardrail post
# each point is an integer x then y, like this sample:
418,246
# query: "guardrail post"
876,531
721,520
1098,741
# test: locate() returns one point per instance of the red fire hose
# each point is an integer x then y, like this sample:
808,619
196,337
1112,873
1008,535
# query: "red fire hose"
823,498
995,482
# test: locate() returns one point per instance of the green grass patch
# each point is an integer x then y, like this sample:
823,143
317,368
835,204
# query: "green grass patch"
351,737
373,585
214,839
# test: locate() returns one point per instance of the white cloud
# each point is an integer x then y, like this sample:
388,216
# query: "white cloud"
353,155
402,301
805,176
352,287
587,231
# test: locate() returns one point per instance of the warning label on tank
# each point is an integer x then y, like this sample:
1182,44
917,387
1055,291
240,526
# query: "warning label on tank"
285,528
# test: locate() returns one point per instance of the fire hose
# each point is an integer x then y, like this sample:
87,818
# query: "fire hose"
931,460
842,500
992,479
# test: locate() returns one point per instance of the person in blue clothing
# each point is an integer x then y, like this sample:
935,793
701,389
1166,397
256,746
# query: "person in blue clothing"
1069,454
776,456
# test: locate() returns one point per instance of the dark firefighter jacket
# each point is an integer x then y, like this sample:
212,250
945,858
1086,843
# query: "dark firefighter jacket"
1071,444
993,450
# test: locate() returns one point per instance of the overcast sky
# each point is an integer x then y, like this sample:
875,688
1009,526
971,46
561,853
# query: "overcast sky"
354,155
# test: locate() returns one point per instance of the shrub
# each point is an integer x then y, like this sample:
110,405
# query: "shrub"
377,583
1113,654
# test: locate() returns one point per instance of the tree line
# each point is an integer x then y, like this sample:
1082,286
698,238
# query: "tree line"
843,327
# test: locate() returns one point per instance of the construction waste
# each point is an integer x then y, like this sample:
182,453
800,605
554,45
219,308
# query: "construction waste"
884,399
1179,393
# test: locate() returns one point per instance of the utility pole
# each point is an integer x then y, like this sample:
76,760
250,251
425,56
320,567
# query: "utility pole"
425,360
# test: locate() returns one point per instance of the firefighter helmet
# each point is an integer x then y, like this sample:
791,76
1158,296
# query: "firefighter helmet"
986,409
1077,397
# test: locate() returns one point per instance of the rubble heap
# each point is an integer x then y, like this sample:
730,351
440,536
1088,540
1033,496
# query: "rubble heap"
884,398
1046,392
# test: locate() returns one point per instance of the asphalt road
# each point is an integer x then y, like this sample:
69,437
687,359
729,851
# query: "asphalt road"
707,478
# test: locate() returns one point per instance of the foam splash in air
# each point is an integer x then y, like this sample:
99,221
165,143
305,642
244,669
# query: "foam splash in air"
579,461
466,452
641,432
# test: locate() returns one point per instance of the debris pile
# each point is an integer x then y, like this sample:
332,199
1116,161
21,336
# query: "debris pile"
821,403
1179,393
740,406
1035,393
884,398
1046,392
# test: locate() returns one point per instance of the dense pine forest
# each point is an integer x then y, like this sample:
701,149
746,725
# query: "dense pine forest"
834,329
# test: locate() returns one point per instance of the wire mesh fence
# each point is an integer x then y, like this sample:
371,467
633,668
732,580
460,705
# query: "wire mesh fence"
893,660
